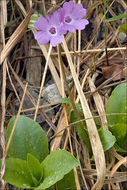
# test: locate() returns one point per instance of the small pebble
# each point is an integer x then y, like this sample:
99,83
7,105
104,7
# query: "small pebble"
122,37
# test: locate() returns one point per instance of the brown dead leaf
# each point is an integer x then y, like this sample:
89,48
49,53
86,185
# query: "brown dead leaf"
114,71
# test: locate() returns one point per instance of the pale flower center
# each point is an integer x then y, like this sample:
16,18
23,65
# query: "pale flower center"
52,30
68,19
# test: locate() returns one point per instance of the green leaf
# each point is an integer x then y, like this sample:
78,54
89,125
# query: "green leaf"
123,28
82,135
78,129
33,19
121,16
28,137
55,166
34,168
117,103
79,107
67,183
107,139
50,188
65,101
118,149
17,173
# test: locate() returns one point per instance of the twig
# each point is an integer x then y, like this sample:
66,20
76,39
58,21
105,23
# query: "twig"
42,83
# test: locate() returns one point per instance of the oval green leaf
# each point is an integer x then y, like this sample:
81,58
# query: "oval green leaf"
17,173
107,139
68,182
28,137
55,166
35,169
117,103
119,149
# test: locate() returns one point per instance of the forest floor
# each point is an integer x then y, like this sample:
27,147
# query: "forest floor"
94,64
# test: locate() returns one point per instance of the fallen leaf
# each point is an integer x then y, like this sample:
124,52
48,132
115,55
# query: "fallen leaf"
114,71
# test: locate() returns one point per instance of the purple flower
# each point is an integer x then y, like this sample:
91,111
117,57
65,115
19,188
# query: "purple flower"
49,29
71,16
68,18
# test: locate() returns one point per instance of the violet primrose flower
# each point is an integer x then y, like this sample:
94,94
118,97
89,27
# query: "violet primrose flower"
49,29
68,18
71,16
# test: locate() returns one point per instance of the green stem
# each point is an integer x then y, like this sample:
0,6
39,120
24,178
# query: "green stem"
12,6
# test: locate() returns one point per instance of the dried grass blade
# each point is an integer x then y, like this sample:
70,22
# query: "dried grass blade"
4,12
118,156
3,21
52,69
16,36
60,128
122,161
92,130
42,82
99,103
2,128
21,7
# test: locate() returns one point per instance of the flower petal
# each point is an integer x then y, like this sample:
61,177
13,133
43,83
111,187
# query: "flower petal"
56,40
61,13
55,18
68,7
61,30
78,12
69,27
80,24
42,37
41,24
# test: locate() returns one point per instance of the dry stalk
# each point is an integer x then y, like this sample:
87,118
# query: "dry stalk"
52,69
92,130
68,136
42,82
122,161
12,83
3,17
59,130
99,104
16,36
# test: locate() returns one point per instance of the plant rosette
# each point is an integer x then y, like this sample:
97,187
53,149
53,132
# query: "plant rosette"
29,164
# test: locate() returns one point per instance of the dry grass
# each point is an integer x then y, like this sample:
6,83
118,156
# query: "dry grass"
82,53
